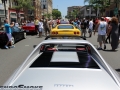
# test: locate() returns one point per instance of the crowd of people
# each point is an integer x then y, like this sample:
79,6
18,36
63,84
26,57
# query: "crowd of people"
44,26
107,29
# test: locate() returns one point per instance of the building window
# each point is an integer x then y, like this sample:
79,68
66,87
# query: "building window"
13,14
22,15
2,12
13,19
44,7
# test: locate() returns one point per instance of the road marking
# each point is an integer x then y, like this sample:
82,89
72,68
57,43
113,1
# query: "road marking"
27,45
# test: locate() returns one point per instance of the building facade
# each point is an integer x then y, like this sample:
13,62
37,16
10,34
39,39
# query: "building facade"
109,11
13,15
71,9
37,10
2,12
88,12
46,7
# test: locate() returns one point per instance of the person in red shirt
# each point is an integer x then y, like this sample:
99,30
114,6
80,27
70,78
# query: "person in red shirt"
58,21
96,21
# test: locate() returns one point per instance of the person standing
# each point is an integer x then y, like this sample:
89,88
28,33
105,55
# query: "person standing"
101,27
46,27
36,22
83,27
58,21
40,28
90,27
9,34
108,35
114,33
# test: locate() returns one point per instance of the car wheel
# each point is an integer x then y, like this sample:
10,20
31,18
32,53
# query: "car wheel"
24,36
13,41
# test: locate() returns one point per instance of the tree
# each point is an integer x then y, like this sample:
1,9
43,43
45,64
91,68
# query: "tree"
56,13
76,13
22,4
98,4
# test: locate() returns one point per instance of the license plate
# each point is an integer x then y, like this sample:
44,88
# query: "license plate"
27,30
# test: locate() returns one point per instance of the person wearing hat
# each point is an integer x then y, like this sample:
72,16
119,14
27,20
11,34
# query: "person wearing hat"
102,28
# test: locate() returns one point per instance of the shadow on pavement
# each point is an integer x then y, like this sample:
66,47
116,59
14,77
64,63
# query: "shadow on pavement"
1,47
87,37
118,70
110,50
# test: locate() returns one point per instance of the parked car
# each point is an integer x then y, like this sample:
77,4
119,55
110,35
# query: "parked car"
64,65
30,28
17,34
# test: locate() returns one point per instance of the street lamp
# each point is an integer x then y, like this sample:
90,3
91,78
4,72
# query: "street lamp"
4,2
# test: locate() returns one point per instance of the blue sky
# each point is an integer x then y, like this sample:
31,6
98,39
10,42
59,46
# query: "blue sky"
62,5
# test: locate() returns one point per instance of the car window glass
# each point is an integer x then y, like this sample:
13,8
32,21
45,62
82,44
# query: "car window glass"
15,29
65,27
65,56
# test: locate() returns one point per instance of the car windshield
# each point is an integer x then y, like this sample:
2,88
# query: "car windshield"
65,56
65,27
15,29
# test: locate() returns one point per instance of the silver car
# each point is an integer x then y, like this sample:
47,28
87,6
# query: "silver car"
64,65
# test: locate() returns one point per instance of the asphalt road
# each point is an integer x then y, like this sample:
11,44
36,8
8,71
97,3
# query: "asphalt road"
11,59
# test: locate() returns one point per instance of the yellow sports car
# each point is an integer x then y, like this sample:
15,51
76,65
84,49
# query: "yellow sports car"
65,30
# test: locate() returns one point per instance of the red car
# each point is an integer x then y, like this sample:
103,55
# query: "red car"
29,29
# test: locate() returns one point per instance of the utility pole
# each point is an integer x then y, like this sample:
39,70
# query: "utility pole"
4,2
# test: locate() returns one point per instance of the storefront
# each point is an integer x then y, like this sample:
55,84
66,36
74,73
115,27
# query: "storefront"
14,16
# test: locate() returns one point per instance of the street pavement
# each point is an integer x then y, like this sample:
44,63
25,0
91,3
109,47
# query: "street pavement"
11,59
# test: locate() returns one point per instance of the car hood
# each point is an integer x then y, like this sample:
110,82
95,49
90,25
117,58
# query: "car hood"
66,79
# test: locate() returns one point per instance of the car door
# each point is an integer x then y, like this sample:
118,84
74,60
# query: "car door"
17,33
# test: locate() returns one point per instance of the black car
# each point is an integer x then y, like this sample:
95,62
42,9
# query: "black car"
17,35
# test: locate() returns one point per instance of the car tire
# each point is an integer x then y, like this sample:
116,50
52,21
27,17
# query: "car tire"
13,41
25,35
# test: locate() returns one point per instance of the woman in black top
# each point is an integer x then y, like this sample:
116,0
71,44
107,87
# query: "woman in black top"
114,29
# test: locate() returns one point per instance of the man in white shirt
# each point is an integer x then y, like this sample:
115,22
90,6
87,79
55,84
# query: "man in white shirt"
102,28
40,28
90,27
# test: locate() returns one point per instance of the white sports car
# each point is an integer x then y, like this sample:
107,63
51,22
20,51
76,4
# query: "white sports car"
64,65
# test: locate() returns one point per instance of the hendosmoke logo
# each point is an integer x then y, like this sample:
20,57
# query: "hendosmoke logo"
21,87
